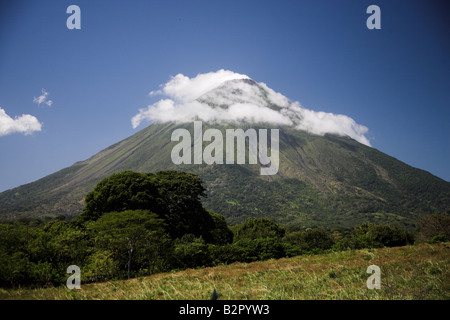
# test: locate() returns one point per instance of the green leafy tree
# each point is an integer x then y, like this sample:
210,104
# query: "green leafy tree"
122,191
258,228
182,209
369,235
191,252
14,262
225,253
100,266
259,249
61,244
390,235
173,195
316,239
220,233
127,233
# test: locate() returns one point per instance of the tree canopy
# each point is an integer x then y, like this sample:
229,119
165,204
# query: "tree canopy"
173,195
258,228
127,232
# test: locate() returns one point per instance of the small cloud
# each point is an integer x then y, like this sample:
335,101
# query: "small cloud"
154,93
43,99
25,123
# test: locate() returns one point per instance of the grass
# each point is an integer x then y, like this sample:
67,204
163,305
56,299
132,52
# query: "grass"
412,272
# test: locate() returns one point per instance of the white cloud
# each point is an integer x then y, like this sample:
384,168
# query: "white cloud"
322,122
25,123
213,97
185,89
43,98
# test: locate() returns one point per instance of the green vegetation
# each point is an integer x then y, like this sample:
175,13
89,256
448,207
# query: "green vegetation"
258,228
172,195
146,222
418,272
139,224
326,181
434,228
126,237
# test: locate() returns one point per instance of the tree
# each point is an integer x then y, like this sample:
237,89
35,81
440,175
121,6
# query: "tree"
432,225
191,252
61,242
126,232
369,235
259,249
126,190
311,239
14,259
181,208
173,195
220,233
390,235
258,228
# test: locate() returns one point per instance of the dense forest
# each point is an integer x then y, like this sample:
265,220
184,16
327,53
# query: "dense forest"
135,224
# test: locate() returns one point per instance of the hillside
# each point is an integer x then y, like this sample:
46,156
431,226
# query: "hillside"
321,180
325,179
416,272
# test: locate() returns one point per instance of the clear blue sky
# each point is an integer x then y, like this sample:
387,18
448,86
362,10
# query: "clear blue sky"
395,81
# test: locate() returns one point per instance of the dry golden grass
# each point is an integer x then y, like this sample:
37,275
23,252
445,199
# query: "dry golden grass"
411,272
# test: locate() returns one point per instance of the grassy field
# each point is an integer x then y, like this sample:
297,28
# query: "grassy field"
411,272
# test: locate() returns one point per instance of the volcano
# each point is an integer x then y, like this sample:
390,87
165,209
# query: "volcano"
329,177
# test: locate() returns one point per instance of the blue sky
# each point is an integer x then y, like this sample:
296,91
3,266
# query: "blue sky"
395,81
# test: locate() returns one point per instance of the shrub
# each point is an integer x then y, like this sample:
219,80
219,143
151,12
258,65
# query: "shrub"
368,235
259,249
437,239
316,240
100,266
191,253
258,228
432,225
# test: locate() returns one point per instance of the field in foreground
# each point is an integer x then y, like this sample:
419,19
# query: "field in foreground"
410,272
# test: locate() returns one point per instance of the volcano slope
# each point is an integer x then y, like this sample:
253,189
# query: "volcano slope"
323,179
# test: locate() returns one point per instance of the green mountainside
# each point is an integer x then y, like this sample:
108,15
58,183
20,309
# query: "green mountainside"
322,180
